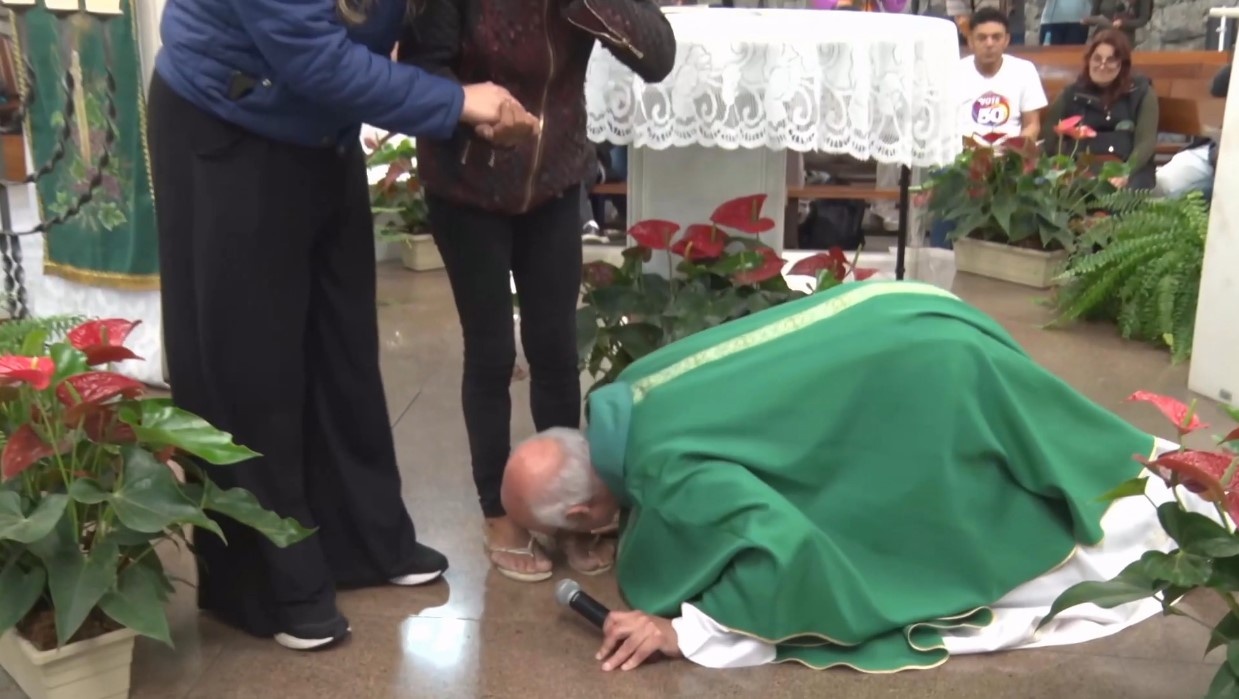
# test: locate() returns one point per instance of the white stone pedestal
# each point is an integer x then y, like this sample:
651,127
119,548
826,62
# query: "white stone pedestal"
686,185
1215,347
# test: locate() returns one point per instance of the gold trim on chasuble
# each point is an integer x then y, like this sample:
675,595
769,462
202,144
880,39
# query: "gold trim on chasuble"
90,277
781,328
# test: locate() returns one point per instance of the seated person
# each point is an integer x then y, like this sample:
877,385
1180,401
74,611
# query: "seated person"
994,93
1119,106
867,469
1192,168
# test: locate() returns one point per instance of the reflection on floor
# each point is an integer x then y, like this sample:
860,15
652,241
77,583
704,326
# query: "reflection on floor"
480,635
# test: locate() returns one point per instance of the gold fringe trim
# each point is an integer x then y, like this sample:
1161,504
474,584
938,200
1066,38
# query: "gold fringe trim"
773,331
115,280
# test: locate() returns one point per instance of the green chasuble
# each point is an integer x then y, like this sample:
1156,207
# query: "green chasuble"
849,473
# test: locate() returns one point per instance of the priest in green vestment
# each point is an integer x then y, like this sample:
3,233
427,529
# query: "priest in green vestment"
861,478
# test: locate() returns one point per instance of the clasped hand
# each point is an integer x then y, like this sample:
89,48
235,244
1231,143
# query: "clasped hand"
497,116
630,638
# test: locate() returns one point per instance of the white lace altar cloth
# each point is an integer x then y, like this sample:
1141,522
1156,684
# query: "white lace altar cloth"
874,86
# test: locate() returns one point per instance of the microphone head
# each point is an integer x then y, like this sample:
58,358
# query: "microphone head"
565,590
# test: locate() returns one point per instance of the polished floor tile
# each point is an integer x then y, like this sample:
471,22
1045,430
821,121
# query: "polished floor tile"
477,634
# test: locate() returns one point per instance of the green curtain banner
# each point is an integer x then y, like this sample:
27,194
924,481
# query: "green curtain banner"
111,241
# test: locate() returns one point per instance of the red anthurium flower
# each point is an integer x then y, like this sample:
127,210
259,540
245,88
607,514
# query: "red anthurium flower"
1175,411
599,274
863,273
165,455
654,234
701,242
770,267
95,387
1067,126
921,198
833,261
101,426
743,214
1199,471
1232,437
103,341
992,137
35,371
23,449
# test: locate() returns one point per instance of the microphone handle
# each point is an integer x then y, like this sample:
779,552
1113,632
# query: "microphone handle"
590,608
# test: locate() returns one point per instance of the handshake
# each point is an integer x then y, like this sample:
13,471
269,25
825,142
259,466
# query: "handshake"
497,116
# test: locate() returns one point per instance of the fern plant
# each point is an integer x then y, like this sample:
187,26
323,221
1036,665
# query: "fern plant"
1141,270
13,333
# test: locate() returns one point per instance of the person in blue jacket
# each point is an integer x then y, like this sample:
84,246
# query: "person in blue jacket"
268,284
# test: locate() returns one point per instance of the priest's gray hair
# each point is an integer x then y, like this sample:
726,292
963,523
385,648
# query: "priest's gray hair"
573,482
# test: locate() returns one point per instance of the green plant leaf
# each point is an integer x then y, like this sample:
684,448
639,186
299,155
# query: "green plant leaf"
163,424
150,499
1196,533
137,602
68,361
35,343
638,339
1180,569
242,506
77,582
1225,632
1126,489
88,492
21,589
1130,585
1225,684
586,332
15,526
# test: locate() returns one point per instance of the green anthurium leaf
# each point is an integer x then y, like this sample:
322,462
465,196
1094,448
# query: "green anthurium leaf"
150,498
1225,684
77,582
137,602
638,339
35,343
1130,585
1225,633
123,536
1126,489
68,361
15,526
21,588
1180,569
1232,656
88,491
241,506
166,425
586,332
1196,533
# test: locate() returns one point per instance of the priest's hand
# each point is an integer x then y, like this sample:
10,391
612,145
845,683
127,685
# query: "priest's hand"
630,638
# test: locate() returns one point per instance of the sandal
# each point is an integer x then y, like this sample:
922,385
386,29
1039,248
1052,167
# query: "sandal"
517,575
588,554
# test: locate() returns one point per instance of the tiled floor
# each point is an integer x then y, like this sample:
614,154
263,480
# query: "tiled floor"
480,635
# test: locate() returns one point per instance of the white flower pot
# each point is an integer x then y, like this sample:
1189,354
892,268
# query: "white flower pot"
421,254
97,668
1025,266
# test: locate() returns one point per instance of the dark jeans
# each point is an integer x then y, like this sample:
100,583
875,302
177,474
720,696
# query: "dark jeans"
541,250
1064,34
266,254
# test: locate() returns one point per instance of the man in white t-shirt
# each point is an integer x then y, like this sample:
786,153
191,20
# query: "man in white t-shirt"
997,94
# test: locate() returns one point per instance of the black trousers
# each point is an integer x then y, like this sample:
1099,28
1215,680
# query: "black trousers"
541,250
271,333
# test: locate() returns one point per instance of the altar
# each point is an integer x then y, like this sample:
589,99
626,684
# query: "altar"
750,87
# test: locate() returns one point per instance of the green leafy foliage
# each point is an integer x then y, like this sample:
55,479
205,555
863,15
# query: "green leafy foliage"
1141,269
88,487
14,333
398,197
1206,556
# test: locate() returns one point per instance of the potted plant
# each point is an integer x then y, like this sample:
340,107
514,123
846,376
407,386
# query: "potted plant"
90,486
1140,270
1016,210
629,312
399,205
1207,553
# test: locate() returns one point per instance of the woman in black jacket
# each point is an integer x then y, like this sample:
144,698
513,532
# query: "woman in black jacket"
1120,107
499,215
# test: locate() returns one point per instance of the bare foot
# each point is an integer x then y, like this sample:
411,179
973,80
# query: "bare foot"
514,553
588,554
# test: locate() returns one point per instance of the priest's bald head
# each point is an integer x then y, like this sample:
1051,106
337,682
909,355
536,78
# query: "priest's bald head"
549,483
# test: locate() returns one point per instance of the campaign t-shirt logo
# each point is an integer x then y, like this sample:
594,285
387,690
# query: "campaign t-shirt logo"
991,110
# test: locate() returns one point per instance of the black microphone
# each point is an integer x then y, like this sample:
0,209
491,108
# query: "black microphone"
569,594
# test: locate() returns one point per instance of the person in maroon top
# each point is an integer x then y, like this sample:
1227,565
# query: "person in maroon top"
499,211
